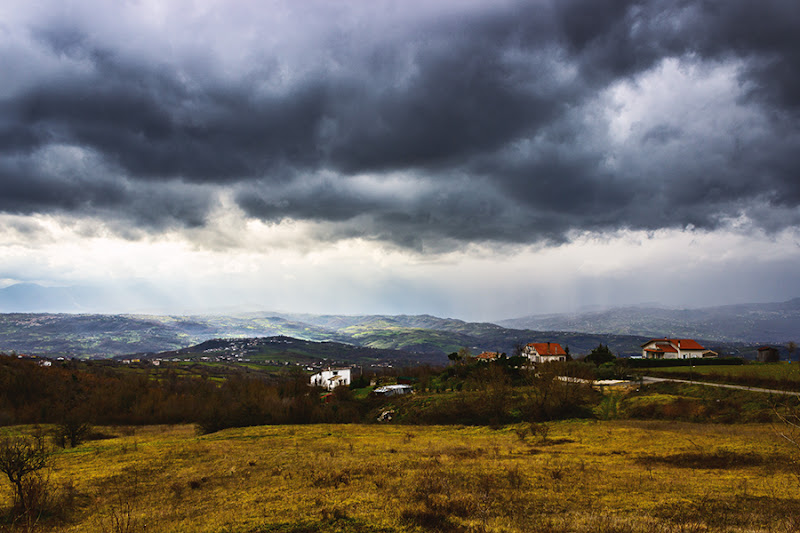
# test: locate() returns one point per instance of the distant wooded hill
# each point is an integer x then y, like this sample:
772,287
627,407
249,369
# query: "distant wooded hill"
746,323
285,350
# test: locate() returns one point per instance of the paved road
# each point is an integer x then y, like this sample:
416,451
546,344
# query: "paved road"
649,379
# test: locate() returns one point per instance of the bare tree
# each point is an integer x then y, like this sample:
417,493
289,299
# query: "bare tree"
23,461
791,347
788,416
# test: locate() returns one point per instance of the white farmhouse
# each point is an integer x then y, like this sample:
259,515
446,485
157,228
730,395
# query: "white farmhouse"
544,352
331,378
674,349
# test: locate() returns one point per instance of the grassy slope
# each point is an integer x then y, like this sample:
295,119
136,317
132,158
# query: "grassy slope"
587,476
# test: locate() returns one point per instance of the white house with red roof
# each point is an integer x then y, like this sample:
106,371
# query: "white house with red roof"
544,352
674,349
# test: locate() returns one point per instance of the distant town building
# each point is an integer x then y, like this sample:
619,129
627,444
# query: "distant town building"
331,378
674,349
544,352
768,354
393,390
485,357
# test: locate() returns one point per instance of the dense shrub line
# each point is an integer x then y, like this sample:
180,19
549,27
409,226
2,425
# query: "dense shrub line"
75,395
693,403
498,394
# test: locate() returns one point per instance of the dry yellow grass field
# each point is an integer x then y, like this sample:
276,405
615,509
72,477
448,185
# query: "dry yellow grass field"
585,476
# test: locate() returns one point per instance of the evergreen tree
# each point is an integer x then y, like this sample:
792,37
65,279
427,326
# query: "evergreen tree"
600,355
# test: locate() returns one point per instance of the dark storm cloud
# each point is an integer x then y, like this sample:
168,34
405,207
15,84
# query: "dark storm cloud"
498,111
154,125
68,180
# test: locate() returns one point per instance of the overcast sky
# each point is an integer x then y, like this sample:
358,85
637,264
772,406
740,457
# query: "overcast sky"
474,159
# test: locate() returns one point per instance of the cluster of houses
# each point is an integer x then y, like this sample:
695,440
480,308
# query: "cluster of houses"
546,352
666,348
536,352
334,377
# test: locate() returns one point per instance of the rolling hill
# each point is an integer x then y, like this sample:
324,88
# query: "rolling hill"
733,330
422,337
283,350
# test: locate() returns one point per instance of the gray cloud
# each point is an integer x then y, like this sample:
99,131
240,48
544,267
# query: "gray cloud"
497,110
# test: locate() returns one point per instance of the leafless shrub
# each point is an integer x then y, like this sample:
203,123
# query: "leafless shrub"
120,513
71,432
788,429
541,430
514,478
332,514
556,472
329,478
26,463
195,484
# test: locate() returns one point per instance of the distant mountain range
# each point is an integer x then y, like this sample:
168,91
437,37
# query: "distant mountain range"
109,335
731,330
748,323
419,338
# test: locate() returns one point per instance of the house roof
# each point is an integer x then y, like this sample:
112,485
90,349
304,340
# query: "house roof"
662,347
689,344
547,348
488,355
683,344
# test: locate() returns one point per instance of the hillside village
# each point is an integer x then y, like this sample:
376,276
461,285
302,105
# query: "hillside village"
534,353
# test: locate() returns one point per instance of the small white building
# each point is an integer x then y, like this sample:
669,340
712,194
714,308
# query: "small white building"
674,349
331,378
393,390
